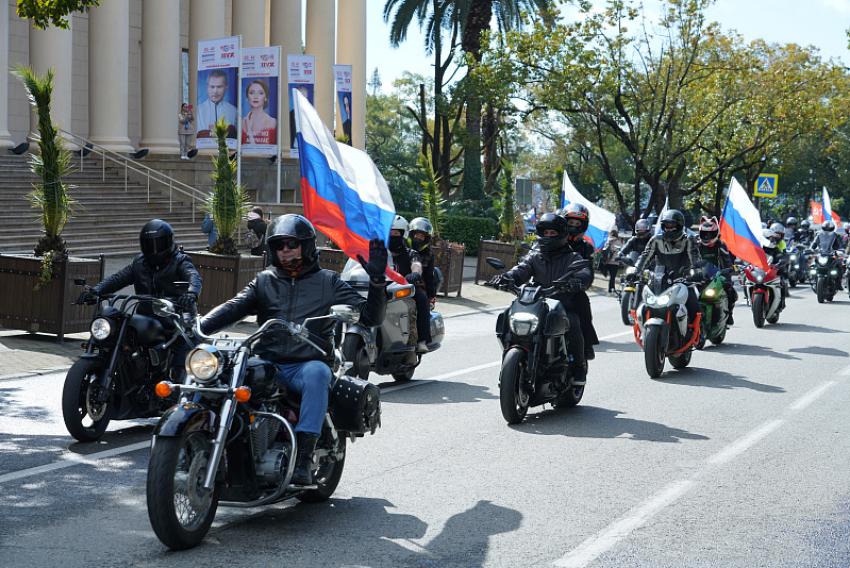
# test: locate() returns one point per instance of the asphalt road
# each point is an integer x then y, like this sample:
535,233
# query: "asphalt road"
739,460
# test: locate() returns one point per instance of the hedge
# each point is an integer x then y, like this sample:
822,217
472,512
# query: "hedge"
464,230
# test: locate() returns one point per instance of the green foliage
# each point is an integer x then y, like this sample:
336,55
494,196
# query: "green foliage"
463,230
507,202
229,201
432,199
46,13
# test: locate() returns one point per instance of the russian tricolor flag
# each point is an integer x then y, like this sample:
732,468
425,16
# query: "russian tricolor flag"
821,211
740,227
343,192
601,221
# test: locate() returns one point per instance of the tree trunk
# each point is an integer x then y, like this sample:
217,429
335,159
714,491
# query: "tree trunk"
478,20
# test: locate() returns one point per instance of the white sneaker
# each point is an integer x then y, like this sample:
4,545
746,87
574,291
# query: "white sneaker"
422,347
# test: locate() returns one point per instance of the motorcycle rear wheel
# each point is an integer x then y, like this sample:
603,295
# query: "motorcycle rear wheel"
512,398
354,350
682,360
77,403
626,307
718,339
758,310
180,512
404,376
654,354
326,478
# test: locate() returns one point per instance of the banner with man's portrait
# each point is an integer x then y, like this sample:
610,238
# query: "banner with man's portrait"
343,93
301,73
218,86
259,92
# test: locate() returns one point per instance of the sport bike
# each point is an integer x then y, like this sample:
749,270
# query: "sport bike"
630,292
763,290
714,305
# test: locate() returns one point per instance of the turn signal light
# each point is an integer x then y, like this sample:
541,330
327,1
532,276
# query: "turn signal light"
163,389
403,293
243,394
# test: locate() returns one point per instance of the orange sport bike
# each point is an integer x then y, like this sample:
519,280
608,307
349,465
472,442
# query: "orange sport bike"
661,322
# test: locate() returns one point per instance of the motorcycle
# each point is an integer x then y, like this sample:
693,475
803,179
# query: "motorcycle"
797,265
826,274
661,323
763,290
535,360
714,305
230,440
389,349
127,354
629,293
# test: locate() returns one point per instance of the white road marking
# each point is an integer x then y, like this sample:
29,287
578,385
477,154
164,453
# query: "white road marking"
741,445
845,372
807,399
71,460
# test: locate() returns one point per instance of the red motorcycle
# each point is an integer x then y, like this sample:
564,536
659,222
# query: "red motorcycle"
763,290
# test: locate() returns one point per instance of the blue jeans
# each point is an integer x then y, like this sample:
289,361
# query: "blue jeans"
312,380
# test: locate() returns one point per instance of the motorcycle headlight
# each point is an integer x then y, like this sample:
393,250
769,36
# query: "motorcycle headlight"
204,363
793,257
662,300
631,270
822,260
759,279
710,292
101,328
833,272
524,324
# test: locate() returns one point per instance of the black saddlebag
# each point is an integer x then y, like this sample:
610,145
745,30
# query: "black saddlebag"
355,405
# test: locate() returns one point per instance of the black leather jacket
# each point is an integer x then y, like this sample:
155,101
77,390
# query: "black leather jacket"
826,241
150,281
675,256
718,255
272,294
634,244
545,268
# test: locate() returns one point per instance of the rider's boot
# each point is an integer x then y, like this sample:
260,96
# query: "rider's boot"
302,475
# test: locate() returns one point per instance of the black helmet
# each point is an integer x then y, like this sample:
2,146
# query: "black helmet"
551,221
791,221
642,229
288,227
672,225
580,213
805,224
156,242
421,225
828,225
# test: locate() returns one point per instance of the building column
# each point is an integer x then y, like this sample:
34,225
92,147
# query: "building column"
206,21
286,32
249,21
321,32
53,48
5,136
109,62
160,75
351,50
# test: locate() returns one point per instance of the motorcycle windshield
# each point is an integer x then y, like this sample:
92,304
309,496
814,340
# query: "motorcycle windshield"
660,279
709,271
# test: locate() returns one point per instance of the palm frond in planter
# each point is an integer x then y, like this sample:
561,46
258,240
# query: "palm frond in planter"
229,201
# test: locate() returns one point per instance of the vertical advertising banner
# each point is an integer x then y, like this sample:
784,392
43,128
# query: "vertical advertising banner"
343,93
301,73
218,89
259,92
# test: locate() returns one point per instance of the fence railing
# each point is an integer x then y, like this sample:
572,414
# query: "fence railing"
157,177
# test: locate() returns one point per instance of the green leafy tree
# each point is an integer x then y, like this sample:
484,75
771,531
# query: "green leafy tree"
507,205
46,13
229,201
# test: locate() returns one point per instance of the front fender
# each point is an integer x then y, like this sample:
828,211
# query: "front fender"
185,418
665,329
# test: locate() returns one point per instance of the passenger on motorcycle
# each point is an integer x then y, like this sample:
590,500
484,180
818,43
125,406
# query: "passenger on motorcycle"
550,260
421,232
675,251
295,288
406,262
578,220
712,249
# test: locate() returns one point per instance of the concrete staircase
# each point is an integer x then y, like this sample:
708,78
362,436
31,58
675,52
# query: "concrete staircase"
106,219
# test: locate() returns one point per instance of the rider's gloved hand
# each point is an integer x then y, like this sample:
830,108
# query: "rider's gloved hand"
87,297
501,281
377,265
575,285
413,278
188,302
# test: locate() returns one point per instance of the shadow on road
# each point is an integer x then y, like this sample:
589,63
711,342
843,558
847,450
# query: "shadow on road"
712,378
441,392
828,351
803,327
12,405
756,351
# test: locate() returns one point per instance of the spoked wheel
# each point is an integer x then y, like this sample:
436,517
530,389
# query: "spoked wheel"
327,476
654,354
512,396
759,309
180,510
626,307
354,351
85,418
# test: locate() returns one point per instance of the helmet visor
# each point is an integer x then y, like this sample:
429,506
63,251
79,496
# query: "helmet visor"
157,244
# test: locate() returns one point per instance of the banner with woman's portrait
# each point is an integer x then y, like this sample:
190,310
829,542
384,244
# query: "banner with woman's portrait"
301,73
218,86
343,93
260,100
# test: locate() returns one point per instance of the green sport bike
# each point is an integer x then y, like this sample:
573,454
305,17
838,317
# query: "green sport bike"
714,305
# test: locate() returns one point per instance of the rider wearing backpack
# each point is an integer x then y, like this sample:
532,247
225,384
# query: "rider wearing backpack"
256,235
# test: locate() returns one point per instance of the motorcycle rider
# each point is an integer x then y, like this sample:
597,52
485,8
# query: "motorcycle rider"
640,239
806,233
548,262
295,288
774,248
676,251
406,262
845,240
712,249
791,232
826,241
421,232
578,220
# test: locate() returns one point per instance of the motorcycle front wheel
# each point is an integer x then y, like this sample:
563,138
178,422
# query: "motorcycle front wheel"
85,418
758,310
821,289
327,477
180,511
654,354
512,397
626,307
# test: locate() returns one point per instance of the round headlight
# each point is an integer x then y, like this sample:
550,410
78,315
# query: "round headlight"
823,260
523,324
101,328
710,292
662,300
203,363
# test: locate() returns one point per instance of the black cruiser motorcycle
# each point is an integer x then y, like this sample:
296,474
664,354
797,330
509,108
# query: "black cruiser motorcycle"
230,439
535,361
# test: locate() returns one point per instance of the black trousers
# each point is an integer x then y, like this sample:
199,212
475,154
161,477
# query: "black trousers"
575,347
582,309
423,316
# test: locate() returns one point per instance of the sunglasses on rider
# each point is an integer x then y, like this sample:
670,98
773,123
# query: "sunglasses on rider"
291,244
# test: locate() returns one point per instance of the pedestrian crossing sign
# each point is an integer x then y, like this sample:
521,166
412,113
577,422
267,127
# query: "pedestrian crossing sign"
766,185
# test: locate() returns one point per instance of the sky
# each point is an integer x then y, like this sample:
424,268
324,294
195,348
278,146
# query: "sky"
821,23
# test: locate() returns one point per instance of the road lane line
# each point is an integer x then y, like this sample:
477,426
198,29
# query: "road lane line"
809,398
72,460
845,372
590,549
741,445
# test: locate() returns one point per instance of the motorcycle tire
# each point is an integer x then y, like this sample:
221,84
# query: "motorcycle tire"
682,360
354,350
571,396
625,308
718,339
77,406
792,281
758,310
326,478
821,289
512,397
654,353
180,515
404,376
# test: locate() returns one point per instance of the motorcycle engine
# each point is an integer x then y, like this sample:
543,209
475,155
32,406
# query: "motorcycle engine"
271,454
138,366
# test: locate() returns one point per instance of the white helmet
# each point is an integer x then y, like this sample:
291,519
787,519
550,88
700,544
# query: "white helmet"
401,224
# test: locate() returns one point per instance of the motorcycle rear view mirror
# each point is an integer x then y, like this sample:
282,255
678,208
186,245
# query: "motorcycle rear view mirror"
345,313
526,246
80,281
163,308
700,263
495,263
182,286
627,261
580,264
